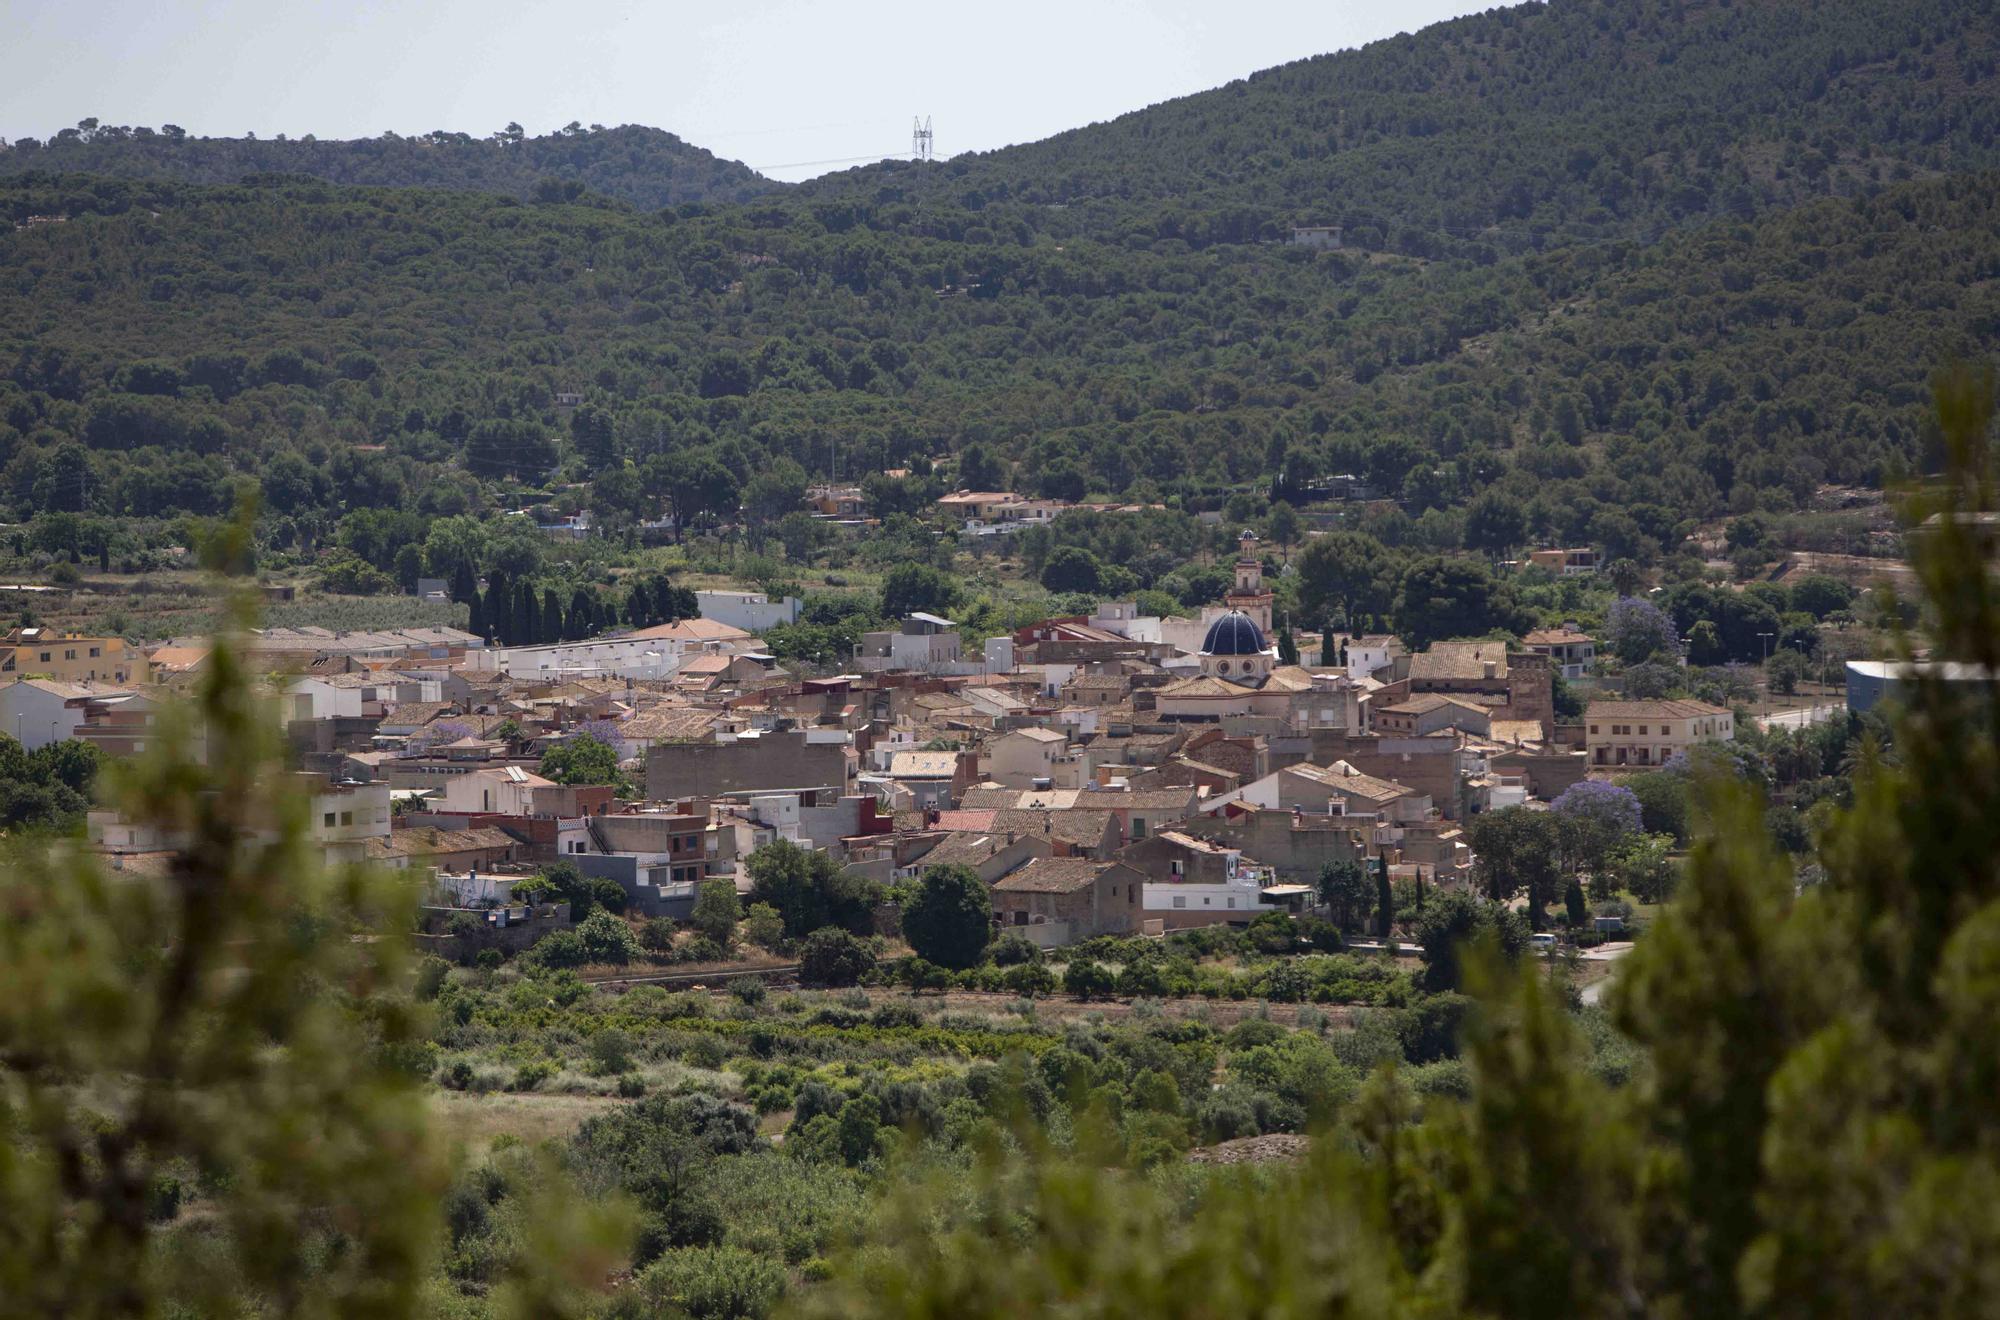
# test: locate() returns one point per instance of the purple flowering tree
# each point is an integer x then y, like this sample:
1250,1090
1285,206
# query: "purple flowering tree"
437,734
1596,817
1639,630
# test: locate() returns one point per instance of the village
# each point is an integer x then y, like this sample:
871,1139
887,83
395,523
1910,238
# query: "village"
1108,774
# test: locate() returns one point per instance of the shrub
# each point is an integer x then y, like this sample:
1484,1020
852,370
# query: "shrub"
748,989
1029,979
657,935
764,927
610,1052
1086,978
832,957
1011,949
714,1283
700,949
607,939
716,911
563,948
531,1075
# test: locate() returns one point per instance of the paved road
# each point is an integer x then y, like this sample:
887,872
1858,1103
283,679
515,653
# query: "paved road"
1799,719
1604,953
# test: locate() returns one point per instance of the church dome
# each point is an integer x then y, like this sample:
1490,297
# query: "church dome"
1235,633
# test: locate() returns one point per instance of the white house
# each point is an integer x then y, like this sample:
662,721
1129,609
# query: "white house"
752,611
508,791
39,711
311,698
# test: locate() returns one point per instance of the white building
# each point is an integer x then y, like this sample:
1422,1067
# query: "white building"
752,611
40,711
655,652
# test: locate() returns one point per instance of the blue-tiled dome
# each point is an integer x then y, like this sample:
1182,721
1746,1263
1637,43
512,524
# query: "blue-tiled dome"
1235,633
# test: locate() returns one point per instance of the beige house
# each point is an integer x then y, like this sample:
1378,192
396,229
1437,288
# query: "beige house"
1649,733
70,658
1020,758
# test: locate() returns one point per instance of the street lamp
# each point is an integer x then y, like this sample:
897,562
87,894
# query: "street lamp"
1767,638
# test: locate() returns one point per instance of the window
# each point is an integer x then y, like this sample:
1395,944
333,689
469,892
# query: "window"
1593,728
1177,867
328,821
1180,900
93,653
1207,902
1232,902
1642,728
1138,828
347,818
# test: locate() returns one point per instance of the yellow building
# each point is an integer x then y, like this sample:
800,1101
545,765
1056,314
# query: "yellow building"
69,658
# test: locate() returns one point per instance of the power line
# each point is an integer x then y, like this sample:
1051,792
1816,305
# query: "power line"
838,160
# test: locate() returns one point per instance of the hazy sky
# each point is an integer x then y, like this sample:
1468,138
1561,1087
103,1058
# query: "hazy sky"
773,83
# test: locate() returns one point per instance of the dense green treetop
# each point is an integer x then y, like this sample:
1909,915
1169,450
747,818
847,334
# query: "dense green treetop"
643,166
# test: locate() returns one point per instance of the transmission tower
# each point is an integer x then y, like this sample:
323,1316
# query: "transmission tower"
920,138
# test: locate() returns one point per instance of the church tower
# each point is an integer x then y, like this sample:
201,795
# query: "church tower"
1249,595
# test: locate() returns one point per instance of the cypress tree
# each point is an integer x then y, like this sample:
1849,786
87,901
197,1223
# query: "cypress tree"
527,616
464,586
552,617
476,623
1329,648
499,609
1385,900
581,622
637,604
1288,645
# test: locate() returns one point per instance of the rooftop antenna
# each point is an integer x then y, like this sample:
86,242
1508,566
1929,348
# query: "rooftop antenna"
920,138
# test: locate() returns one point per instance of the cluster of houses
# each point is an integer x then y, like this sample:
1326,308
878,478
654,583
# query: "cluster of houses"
1109,773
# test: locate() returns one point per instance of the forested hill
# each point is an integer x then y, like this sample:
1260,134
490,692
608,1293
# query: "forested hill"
357,348
643,166
1523,127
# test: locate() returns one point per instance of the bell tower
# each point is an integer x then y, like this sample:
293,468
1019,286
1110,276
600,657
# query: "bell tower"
1249,595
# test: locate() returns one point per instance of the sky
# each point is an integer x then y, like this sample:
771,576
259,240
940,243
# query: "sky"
791,88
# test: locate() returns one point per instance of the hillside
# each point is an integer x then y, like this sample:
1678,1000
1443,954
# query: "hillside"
168,336
643,166
1522,127
355,347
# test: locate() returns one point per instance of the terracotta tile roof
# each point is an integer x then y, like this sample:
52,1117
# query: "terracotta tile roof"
1345,779
1424,703
977,821
1080,827
1052,875
691,630
1655,710
1459,660
669,724
430,841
